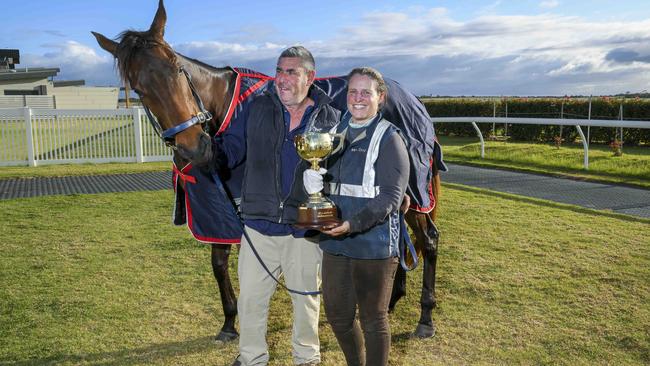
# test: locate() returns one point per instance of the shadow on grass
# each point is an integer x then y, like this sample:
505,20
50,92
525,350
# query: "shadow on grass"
136,356
401,337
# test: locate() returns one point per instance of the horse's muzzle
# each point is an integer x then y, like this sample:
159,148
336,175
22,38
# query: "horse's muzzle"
200,156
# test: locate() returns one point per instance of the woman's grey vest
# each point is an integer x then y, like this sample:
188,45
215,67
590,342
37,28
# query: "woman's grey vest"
352,186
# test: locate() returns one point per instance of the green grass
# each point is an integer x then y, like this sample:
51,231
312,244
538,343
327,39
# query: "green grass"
81,169
106,280
631,168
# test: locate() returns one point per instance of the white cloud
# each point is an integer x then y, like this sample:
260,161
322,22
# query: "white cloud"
432,53
539,54
490,8
76,61
213,52
71,51
549,4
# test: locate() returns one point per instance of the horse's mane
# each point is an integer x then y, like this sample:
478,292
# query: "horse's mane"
130,42
201,63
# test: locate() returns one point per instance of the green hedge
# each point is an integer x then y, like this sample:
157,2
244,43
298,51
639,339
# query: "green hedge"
601,108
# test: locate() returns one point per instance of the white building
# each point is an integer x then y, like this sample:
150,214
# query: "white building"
36,87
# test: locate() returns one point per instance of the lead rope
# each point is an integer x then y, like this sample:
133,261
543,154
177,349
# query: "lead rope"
259,259
404,244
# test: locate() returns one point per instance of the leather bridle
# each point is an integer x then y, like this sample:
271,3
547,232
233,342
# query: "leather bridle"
167,136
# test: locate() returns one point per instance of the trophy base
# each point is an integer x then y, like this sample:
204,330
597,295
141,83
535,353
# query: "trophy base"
316,218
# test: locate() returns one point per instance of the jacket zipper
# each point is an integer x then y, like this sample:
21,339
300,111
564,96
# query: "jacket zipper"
312,118
278,174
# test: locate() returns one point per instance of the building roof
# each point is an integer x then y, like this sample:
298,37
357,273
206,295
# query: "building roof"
29,73
69,83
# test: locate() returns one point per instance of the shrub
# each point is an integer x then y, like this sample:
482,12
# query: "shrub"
575,108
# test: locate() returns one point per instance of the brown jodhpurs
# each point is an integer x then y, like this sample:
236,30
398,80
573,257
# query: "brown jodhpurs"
366,283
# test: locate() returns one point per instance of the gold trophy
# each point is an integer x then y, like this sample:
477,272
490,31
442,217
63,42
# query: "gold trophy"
318,211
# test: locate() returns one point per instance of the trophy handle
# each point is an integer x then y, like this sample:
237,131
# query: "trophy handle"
337,145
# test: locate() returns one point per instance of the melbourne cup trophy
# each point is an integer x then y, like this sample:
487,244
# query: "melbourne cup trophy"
318,211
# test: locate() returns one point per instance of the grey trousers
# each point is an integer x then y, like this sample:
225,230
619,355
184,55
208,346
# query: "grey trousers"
299,261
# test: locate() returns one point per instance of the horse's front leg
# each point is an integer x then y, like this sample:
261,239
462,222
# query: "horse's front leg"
427,240
220,254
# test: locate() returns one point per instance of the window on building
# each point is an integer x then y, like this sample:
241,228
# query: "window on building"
21,92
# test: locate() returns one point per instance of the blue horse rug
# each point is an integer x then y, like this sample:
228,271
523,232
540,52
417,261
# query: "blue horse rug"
207,202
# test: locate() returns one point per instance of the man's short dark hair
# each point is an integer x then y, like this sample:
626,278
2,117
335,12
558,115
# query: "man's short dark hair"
303,54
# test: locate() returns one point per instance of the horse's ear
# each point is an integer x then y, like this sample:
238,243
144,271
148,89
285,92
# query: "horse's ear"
158,25
105,43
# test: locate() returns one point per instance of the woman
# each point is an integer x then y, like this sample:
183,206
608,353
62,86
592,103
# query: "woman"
368,179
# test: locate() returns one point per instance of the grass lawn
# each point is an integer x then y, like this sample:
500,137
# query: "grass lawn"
631,168
105,279
61,170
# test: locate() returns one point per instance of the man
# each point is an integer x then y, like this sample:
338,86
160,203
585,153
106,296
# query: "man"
271,192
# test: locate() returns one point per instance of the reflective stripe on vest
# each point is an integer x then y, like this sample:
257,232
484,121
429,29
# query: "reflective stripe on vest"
367,189
354,190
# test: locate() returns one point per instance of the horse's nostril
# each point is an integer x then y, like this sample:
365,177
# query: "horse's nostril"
200,154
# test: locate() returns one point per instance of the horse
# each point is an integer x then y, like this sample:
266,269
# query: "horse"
187,102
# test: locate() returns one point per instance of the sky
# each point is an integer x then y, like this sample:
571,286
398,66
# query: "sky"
498,47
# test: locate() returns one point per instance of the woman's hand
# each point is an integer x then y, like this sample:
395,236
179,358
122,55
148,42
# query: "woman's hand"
337,230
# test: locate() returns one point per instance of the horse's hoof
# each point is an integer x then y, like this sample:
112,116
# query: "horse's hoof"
224,337
424,331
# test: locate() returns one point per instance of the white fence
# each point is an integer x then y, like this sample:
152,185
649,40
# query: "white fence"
545,121
59,136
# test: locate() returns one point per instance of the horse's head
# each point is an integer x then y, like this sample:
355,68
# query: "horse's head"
154,72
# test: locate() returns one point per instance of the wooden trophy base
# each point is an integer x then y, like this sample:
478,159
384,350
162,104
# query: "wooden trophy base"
316,218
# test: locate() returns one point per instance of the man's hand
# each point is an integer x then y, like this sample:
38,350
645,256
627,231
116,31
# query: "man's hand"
405,203
337,230
215,161
313,180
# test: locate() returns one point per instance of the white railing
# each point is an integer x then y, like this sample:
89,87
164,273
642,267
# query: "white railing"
545,121
59,136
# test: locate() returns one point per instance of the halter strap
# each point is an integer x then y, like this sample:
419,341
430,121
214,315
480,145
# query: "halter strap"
200,118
